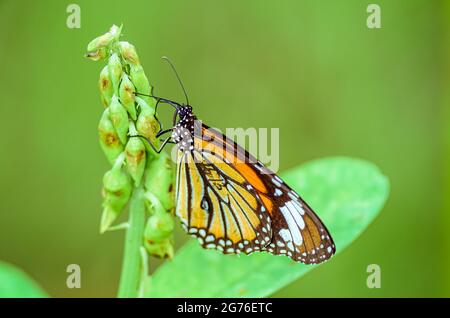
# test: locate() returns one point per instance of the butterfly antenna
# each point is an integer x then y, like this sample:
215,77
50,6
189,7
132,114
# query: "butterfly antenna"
178,77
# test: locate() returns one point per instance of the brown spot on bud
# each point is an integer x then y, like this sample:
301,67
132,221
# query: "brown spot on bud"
135,157
129,90
110,139
117,193
105,83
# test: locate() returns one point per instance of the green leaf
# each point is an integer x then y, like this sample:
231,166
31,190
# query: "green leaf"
346,193
14,283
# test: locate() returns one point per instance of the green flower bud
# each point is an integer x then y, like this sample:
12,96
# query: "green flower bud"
104,40
109,215
126,94
100,42
136,156
146,123
115,71
115,32
98,55
109,139
128,52
116,193
117,187
119,118
141,83
105,86
158,231
159,180
162,249
159,227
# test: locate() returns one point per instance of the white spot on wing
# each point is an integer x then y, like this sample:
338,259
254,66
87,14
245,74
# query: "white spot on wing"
193,230
276,182
293,227
298,206
296,214
290,246
285,235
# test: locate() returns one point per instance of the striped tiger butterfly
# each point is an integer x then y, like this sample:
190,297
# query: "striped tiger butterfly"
231,202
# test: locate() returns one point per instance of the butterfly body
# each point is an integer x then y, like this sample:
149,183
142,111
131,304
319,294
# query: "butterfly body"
231,202
183,131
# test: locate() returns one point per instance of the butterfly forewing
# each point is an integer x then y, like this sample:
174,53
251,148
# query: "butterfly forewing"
215,205
298,232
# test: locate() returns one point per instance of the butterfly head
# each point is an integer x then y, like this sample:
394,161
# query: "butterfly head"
184,111
183,116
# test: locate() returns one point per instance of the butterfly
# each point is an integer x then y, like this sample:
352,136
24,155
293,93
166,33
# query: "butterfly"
231,202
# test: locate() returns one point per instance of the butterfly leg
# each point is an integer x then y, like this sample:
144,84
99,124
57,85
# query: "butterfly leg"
157,119
165,141
160,99
166,101
162,132
169,142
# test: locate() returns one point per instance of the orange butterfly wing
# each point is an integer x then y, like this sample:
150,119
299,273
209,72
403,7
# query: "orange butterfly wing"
216,205
276,220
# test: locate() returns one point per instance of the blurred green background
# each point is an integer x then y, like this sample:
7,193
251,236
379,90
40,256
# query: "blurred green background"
312,68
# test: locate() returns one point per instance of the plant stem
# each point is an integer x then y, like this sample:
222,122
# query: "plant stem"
131,266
